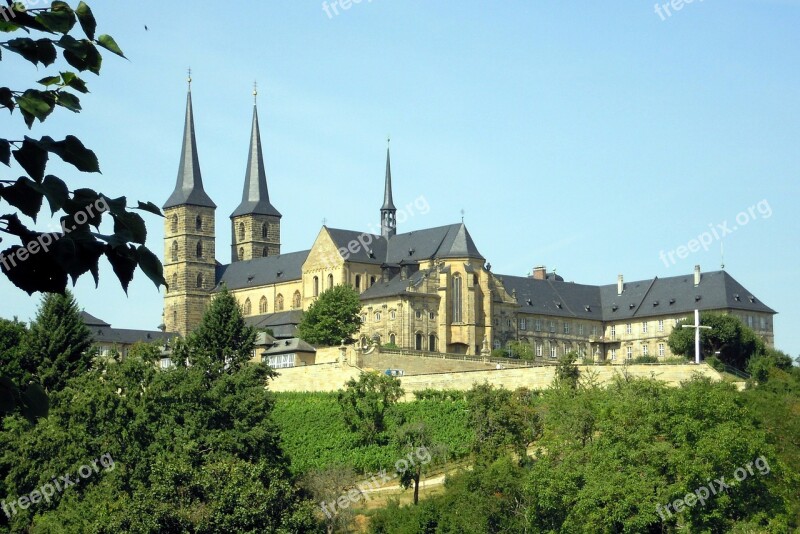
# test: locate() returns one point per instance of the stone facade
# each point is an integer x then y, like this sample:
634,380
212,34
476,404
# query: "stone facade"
255,236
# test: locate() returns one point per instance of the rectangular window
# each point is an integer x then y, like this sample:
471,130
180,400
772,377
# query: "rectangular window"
613,331
613,354
553,350
566,327
539,350
750,321
763,323
644,327
629,328
594,330
553,326
538,325
523,324
580,329
661,350
661,325
644,350
629,353
281,361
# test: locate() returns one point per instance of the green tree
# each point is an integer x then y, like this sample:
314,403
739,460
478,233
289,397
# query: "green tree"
12,336
520,349
500,419
567,373
332,318
58,344
44,261
417,453
222,341
735,342
367,402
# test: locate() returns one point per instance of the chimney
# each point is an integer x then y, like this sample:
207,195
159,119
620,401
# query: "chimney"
539,273
696,275
620,285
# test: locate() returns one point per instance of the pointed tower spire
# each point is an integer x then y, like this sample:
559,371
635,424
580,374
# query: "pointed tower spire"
388,211
255,197
189,185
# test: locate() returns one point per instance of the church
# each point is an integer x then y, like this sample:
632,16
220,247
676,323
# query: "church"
426,290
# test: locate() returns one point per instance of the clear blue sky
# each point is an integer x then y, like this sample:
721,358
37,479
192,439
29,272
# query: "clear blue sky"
588,137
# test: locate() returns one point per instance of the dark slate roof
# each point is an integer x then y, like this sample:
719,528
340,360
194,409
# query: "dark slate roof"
395,286
451,241
677,294
283,324
189,185
388,203
124,336
551,297
262,271
255,198
92,321
289,345
642,298
373,250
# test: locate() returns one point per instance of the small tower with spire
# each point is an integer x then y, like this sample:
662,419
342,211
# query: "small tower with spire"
255,223
189,238
388,211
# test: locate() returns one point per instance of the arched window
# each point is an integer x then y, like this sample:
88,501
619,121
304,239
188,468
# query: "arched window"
377,316
316,286
457,298
174,224
392,339
198,223
262,305
199,249
174,282
241,253
279,303
296,300
241,231
199,281
418,341
248,307
264,231
432,343
174,251
358,283
174,318
264,252
371,281
330,281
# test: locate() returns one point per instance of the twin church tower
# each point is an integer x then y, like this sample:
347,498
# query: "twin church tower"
189,233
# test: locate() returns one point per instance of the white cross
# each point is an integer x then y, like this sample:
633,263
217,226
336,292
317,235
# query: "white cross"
697,328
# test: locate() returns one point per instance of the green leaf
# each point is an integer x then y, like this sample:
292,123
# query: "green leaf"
36,403
5,152
50,80
24,46
7,99
8,395
38,273
38,104
151,266
59,19
123,260
72,151
24,196
47,52
56,192
70,79
82,55
86,19
150,207
68,100
130,226
32,157
108,42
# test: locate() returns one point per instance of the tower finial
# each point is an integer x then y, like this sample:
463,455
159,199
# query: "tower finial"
255,92
388,140
189,78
